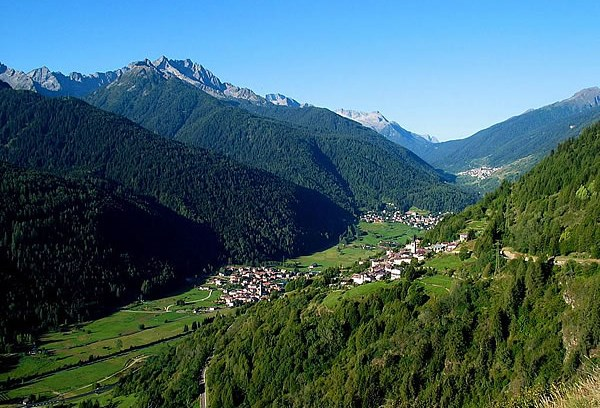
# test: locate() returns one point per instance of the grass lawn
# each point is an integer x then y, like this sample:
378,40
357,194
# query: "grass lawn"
437,284
345,256
82,379
357,292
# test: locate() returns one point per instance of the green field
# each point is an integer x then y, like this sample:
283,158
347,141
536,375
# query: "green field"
377,232
443,262
437,284
364,247
419,211
146,326
82,379
434,285
356,292
477,225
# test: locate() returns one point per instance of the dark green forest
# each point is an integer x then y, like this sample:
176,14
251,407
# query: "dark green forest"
315,148
489,341
254,214
71,250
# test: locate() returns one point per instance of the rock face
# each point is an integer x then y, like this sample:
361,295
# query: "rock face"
584,99
198,76
282,100
49,83
391,130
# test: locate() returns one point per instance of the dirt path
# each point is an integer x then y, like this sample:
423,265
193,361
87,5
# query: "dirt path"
510,254
168,308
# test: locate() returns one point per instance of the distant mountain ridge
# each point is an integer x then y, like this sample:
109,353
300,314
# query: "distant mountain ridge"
532,134
51,83
282,100
391,130
315,148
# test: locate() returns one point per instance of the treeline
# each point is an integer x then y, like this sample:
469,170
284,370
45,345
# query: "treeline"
315,148
71,250
552,210
489,341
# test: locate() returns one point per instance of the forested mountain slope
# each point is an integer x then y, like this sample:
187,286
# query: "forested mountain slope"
74,249
552,210
504,334
353,166
534,133
254,214
487,343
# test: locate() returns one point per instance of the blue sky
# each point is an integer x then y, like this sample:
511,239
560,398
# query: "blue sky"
446,68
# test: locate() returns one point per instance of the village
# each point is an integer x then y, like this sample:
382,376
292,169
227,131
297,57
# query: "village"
480,173
412,218
392,265
245,284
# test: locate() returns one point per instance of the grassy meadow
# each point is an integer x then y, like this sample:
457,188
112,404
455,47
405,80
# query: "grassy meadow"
97,352
365,246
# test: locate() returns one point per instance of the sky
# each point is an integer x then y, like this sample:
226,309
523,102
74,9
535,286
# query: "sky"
444,68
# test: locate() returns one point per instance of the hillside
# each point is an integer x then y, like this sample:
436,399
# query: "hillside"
73,249
310,147
486,343
254,214
552,210
503,334
534,133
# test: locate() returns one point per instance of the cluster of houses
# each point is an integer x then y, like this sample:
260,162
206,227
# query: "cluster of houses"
480,173
412,218
391,265
249,284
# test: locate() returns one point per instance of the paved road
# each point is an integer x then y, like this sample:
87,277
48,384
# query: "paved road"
203,391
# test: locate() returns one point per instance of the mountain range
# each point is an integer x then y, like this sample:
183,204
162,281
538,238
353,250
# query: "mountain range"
51,83
513,145
313,147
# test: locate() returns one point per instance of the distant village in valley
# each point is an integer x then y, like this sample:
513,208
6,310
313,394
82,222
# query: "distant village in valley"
480,173
413,218
246,284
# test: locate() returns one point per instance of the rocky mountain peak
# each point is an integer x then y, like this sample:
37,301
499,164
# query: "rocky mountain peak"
282,100
586,97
